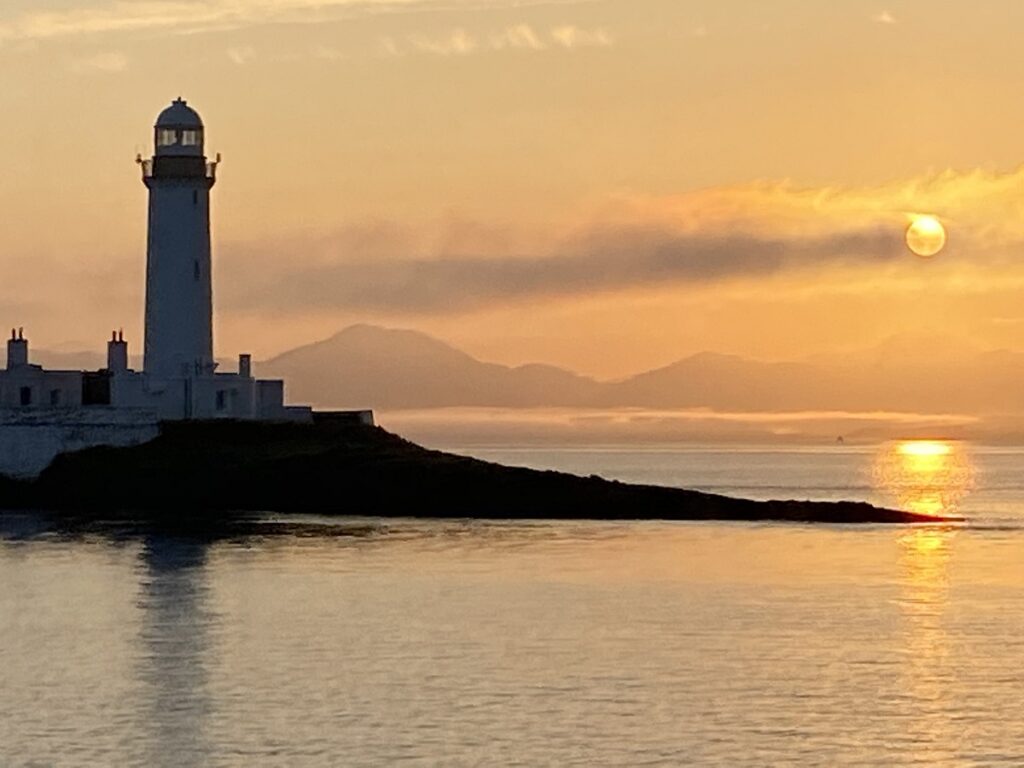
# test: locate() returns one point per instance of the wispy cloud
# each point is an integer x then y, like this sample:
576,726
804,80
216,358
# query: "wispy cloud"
523,37
518,36
601,261
574,37
390,47
884,18
241,56
191,16
109,62
457,43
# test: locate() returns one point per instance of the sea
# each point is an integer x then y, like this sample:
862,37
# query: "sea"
357,641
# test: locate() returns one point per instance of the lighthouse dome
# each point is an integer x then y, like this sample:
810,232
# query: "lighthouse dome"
179,115
179,131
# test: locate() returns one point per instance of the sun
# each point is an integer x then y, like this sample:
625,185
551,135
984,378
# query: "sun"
926,236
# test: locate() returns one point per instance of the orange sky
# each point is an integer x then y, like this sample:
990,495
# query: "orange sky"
605,185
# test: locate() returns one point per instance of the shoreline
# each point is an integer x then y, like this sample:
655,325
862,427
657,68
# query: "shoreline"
208,471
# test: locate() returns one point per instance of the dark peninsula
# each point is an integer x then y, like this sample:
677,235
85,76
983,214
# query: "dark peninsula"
338,467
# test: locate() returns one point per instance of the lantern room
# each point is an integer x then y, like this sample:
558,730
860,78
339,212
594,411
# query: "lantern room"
179,131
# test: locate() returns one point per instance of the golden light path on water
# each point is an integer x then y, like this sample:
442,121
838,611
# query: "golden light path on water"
928,477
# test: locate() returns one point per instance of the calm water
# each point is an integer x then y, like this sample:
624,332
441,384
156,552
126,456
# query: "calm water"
367,642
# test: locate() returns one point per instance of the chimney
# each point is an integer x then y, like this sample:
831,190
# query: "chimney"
17,349
117,353
245,366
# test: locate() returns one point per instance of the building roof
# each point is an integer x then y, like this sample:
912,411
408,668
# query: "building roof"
179,115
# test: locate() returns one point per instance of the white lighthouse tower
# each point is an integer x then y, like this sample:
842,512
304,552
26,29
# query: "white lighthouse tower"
179,295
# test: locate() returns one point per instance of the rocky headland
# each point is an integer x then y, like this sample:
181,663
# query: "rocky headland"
337,467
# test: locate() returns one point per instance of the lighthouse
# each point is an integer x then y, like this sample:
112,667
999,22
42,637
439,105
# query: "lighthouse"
179,294
47,412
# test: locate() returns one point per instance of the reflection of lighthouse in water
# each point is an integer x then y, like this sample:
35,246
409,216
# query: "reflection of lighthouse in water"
174,645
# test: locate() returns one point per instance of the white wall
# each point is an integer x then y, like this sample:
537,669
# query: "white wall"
30,439
68,385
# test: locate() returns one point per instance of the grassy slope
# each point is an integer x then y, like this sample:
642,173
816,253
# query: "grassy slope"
338,468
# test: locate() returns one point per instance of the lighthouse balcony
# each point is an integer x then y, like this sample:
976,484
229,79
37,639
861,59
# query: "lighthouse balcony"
178,167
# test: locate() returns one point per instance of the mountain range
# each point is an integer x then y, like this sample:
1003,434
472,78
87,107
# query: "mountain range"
367,365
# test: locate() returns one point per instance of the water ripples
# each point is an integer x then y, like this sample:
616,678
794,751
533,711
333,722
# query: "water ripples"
317,642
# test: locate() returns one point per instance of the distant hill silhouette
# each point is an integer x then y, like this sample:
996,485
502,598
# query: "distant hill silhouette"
366,365
727,382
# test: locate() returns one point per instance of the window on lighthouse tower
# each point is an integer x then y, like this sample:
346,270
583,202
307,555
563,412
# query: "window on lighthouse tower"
190,138
166,137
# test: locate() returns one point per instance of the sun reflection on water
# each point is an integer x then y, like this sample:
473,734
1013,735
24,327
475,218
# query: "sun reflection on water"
927,670
928,477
